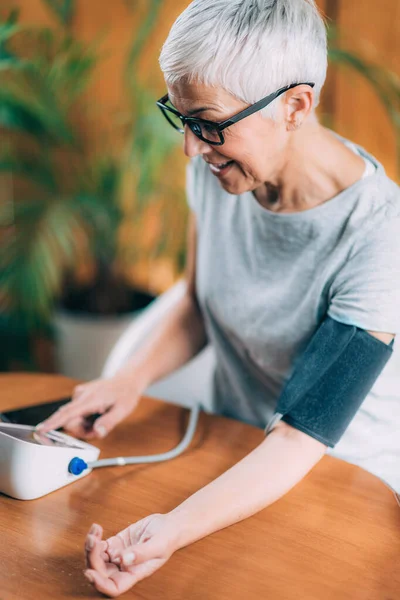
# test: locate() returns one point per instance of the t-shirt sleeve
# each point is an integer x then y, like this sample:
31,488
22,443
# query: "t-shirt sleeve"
366,290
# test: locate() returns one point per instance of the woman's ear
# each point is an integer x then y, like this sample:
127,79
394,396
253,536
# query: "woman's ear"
299,102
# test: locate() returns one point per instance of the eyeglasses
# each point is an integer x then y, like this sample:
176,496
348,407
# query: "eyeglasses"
210,131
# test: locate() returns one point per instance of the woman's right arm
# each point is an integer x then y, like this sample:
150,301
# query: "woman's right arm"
178,338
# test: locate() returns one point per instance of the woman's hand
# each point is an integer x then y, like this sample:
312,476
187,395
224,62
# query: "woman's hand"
114,399
120,562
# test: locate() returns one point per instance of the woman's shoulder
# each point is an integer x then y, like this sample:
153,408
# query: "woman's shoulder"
383,191
383,194
377,225
378,194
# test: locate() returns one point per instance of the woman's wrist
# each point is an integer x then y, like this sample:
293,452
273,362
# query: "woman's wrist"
134,377
173,531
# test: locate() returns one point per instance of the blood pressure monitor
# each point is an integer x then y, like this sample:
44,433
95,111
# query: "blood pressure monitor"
33,464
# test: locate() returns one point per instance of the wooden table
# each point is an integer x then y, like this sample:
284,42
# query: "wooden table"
335,536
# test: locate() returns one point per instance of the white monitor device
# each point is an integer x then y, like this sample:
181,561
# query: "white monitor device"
33,464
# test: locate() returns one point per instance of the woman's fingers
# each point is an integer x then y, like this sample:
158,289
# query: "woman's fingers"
129,562
94,550
112,399
76,427
115,547
78,407
96,534
80,388
68,412
97,531
114,585
89,545
142,553
104,424
82,427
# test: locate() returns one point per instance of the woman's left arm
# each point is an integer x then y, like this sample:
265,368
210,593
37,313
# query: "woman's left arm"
283,458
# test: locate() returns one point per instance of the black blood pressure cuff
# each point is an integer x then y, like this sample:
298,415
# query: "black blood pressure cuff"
330,380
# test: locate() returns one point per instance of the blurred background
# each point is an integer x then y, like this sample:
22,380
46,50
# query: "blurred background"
92,194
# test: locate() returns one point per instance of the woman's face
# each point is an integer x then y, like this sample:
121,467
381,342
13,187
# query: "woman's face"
255,148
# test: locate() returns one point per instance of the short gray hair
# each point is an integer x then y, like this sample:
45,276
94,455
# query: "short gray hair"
250,48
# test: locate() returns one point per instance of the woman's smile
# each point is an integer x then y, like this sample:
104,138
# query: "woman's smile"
221,169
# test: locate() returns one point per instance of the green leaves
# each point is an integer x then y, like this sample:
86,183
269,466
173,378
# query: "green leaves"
37,170
152,143
17,115
63,9
152,9
40,239
40,243
39,90
96,201
9,27
41,226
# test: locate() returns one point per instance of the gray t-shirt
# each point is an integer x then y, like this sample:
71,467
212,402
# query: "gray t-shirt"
266,280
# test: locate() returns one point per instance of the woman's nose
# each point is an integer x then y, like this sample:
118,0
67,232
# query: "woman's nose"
192,145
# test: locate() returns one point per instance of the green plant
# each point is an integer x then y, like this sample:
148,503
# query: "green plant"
55,205
62,212
64,9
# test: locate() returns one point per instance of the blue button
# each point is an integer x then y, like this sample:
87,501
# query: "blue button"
77,466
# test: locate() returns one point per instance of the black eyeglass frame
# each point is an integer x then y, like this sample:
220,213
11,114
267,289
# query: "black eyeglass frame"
219,127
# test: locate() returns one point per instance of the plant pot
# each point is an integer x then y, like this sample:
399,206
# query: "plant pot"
84,339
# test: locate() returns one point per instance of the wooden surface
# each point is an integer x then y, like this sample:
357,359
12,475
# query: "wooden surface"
335,536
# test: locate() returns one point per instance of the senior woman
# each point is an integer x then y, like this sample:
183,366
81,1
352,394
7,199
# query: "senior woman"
293,274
